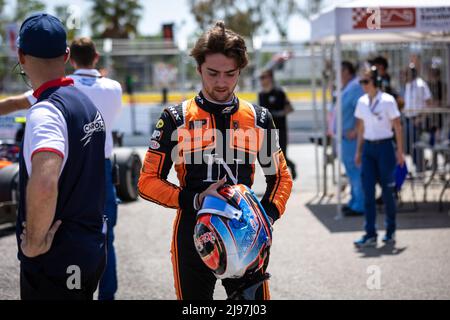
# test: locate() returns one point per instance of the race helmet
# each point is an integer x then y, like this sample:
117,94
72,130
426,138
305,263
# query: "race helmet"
233,237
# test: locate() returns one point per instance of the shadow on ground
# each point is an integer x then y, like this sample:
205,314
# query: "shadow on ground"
384,250
426,216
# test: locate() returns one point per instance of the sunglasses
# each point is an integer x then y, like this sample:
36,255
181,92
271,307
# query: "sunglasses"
17,69
364,81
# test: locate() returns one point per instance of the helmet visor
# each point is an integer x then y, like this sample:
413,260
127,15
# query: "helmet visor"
213,205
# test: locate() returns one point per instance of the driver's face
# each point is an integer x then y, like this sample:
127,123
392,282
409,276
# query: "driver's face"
220,75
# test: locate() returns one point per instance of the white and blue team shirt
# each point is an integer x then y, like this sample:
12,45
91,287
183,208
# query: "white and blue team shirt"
377,115
105,93
46,131
81,196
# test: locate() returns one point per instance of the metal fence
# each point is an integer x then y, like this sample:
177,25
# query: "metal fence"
426,135
432,60
154,65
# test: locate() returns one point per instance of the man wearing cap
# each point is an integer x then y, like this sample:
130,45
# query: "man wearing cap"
106,94
60,227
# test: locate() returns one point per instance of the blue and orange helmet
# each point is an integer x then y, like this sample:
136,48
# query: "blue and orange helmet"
233,237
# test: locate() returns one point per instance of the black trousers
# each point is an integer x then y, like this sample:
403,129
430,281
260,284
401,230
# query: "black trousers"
281,125
39,286
192,278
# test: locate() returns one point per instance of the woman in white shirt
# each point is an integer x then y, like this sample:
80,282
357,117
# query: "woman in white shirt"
377,116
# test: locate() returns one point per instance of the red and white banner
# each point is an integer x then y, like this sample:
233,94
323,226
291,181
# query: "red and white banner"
11,35
383,18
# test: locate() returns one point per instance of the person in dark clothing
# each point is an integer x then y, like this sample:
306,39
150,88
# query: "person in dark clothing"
436,86
382,65
213,139
60,222
274,98
129,85
129,88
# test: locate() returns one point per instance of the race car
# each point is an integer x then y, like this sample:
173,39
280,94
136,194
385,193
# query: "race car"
9,180
126,167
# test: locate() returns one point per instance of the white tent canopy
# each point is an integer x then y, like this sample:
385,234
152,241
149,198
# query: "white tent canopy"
401,20
376,21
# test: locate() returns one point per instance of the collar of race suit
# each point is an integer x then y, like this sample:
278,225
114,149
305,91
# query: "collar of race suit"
217,108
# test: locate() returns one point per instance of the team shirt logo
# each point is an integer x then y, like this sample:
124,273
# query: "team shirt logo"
227,110
175,113
272,99
90,128
156,135
198,124
154,145
263,115
204,239
160,124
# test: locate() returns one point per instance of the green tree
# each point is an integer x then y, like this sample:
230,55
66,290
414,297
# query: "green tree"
115,18
26,7
249,17
22,10
3,20
3,60
243,16
310,8
2,6
280,11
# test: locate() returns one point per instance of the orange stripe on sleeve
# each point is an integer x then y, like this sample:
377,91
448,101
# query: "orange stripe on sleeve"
283,185
152,186
174,251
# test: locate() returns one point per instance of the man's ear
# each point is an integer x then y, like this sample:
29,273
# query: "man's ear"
199,70
21,56
73,63
67,55
97,57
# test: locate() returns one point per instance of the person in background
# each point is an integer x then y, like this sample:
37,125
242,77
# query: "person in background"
378,116
106,94
351,92
129,85
417,97
382,65
165,96
436,86
436,89
60,223
274,98
129,89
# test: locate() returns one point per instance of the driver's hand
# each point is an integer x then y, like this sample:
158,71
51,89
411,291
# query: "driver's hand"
212,191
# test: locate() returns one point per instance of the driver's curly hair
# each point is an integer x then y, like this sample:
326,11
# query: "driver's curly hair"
218,39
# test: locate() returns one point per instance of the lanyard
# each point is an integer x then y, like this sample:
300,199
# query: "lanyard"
373,106
88,75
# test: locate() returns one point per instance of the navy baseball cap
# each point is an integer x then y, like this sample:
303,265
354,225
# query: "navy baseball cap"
43,36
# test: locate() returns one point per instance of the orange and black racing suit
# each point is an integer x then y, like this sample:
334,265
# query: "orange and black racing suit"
207,141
